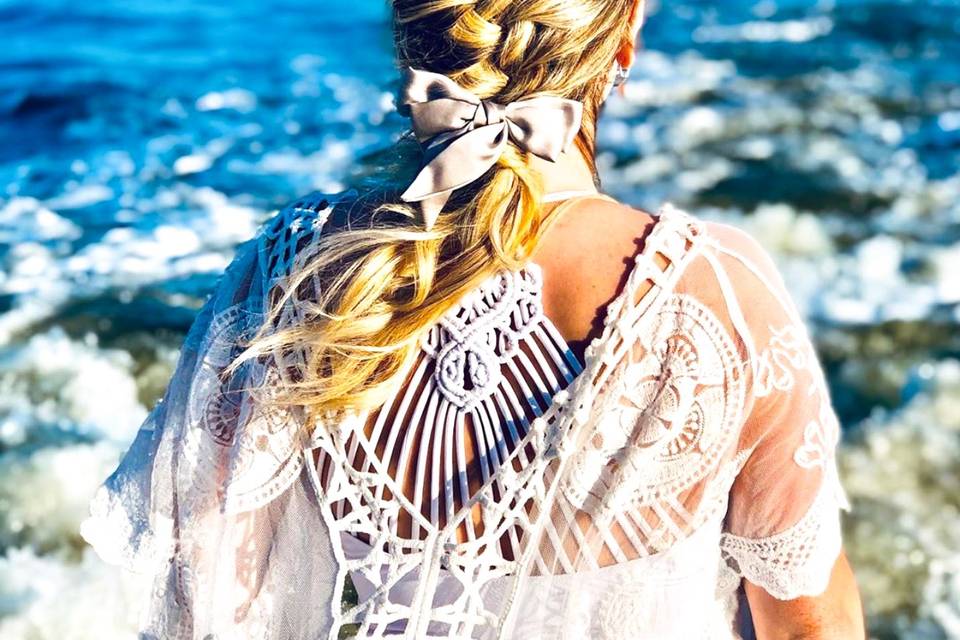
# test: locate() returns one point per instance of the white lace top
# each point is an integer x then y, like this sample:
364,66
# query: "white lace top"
506,490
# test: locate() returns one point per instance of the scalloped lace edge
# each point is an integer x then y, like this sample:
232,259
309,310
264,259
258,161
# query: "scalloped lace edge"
799,560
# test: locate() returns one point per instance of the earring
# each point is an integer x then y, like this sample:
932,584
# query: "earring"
621,75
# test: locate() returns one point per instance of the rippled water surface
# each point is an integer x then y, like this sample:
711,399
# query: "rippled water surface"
144,140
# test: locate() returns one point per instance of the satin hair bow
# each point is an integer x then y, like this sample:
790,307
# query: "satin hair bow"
464,135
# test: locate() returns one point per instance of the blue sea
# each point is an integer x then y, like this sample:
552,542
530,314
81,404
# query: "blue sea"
143,140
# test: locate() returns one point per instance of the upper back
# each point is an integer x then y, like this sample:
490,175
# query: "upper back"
586,256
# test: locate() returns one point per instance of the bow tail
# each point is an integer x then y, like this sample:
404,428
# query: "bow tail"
431,206
464,160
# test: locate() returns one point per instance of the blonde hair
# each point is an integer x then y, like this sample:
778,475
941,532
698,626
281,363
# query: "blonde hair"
385,284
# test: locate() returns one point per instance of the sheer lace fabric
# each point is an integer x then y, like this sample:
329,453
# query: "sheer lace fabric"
507,490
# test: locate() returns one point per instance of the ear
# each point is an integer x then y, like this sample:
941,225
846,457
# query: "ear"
628,51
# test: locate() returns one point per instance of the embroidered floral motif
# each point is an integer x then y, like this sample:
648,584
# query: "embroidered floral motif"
221,409
779,360
679,410
820,438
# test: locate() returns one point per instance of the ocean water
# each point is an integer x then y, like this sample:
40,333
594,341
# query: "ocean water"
144,140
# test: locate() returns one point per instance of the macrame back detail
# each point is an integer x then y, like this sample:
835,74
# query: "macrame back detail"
432,500
431,477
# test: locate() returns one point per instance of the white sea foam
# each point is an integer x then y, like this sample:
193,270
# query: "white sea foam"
946,264
43,271
43,495
48,387
201,238
53,381
32,274
81,196
695,127
27,220
193,163
48,598
241,100
766,31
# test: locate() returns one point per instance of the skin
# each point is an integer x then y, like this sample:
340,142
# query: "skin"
836,613
584,266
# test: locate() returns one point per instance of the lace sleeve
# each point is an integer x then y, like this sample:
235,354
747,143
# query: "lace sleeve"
782,528
209,501
132,515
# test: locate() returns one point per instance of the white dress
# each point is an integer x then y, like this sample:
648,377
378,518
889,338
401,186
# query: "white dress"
506,490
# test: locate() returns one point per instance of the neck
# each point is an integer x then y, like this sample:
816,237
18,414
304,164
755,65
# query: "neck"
569,173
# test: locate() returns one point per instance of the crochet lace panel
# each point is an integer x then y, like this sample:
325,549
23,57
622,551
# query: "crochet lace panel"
501,461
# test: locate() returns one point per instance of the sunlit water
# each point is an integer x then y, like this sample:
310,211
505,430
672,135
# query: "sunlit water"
144,140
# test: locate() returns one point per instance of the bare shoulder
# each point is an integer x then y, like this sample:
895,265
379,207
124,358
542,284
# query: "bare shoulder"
586,257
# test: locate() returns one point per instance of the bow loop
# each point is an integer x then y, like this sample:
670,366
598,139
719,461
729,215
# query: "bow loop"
544,126
465,135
